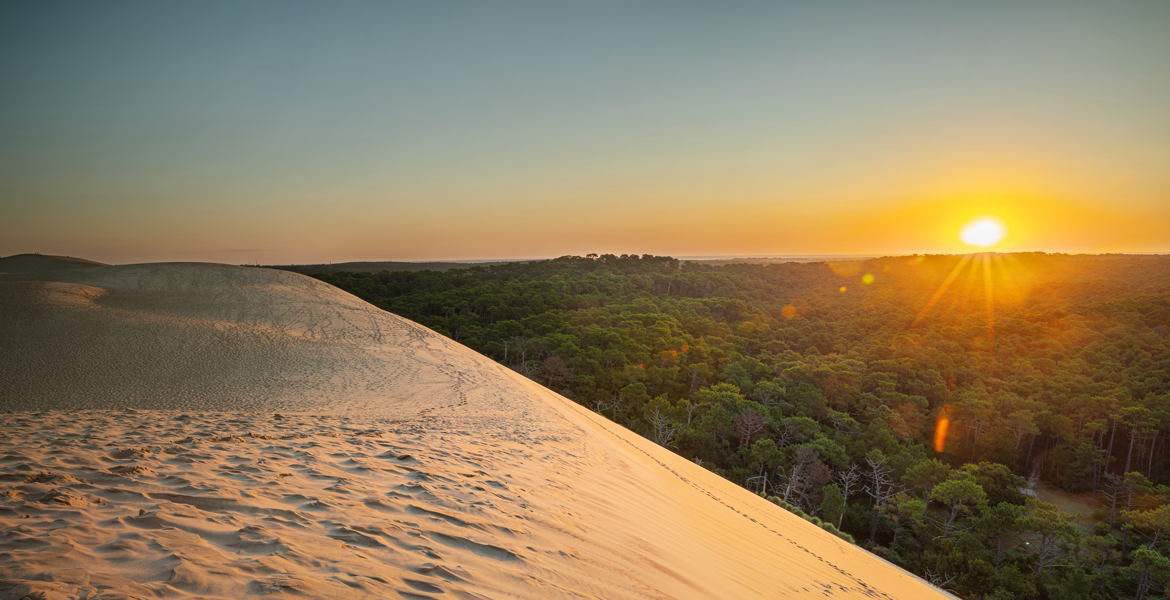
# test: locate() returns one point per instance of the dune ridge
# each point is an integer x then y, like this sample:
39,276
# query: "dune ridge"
32,263
232,432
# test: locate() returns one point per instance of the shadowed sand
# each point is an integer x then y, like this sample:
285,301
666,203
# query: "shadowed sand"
229,432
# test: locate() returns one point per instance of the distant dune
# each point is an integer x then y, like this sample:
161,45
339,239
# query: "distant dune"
29,263
228,432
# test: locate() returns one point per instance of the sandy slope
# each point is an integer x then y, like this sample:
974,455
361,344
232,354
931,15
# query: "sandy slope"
401,465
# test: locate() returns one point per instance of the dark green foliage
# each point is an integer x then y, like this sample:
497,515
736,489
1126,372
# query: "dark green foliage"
833,505
998,482
1047,366
814,520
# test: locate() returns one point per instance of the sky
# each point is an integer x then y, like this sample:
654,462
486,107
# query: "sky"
297,132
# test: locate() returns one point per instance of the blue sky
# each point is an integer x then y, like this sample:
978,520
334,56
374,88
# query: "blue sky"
304,132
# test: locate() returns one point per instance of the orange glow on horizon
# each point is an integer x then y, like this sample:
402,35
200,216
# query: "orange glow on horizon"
913,225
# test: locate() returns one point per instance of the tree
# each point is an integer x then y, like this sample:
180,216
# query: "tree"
1020,424
1000,523
923,476
663,427
901,507
1053,532
805,478
1149,566
815,476
1114,492
1156,521
961,495
1141,422
1134,492
1101,555
881,485
748,425
849,479
794,430
997,481
764,457
769,393
555,372
833,504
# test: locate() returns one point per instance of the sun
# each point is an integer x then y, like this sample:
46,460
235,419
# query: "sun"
983,232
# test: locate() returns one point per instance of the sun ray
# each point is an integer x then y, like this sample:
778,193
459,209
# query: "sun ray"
1012,277
989,295
959,307
942,289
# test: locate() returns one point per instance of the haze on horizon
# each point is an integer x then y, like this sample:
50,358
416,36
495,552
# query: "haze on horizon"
279,132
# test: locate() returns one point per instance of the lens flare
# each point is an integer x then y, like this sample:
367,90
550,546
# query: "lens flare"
940,429
983,232
940,434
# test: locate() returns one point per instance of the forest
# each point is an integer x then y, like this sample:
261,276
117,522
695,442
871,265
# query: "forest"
922,406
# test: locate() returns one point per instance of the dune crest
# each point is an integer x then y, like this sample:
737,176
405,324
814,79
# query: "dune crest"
29,263
286,437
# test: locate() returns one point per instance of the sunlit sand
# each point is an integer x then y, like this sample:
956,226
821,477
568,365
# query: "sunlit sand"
222,432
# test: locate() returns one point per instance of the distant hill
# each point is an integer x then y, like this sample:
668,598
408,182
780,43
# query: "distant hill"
376,267
771,260
30,263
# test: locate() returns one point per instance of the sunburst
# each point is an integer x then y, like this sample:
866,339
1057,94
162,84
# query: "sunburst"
983,232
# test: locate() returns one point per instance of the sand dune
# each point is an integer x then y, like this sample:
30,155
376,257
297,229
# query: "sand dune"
223,432
29,263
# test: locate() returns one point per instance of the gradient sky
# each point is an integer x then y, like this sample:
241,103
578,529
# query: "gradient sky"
278,132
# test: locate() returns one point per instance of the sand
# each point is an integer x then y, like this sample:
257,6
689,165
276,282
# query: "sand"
186,430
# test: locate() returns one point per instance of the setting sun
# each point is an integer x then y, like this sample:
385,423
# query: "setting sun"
983,232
